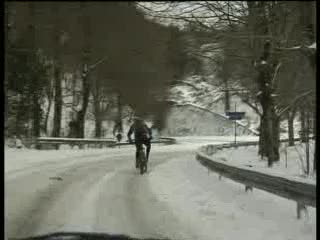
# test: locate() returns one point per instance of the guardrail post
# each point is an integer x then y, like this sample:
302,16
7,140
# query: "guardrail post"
281,186
286,155
247,188
301,207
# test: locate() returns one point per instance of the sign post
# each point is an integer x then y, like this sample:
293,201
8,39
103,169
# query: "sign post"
235,116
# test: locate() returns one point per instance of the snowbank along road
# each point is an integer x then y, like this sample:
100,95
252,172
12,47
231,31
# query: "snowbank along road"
100,191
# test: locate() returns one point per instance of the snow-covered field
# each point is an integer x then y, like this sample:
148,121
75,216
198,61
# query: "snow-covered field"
292,160
100,191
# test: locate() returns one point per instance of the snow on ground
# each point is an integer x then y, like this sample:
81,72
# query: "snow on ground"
284,128
293,167
222,209
19,158
209,139
209,207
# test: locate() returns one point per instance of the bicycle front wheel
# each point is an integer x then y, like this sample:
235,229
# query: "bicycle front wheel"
143,163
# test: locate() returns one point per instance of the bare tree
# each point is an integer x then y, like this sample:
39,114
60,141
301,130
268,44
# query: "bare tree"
102,103
57,72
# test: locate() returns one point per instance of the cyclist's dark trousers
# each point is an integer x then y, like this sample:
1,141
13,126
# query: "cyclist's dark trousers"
139,145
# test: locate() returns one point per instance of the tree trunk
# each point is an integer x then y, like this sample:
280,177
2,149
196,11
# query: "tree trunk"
57,75
258,24
307,141
57,103
269,136
7,46
227,96
47,115
290,130
315,138
290,127
120,111
97,114
270,126
22,118
98,127
86,30
262,143
36,116
83,111
276,137
303,124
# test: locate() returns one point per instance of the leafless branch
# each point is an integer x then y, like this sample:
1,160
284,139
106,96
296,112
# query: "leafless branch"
188,84
255,108
275,80
284,110
205,56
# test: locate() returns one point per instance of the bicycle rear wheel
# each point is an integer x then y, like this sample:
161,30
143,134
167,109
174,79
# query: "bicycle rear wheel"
141,168
142,162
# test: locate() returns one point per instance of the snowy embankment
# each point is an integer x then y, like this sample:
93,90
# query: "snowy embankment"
207,92
292,162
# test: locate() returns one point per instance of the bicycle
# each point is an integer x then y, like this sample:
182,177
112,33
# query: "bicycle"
142,161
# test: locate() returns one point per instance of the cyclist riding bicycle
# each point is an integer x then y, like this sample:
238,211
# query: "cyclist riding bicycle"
142,136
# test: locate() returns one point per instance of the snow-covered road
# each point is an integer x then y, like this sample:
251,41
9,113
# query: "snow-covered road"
100,191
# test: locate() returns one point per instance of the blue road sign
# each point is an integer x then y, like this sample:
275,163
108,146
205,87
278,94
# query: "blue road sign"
235,115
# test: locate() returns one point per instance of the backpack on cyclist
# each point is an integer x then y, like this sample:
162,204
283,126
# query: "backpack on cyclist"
141,130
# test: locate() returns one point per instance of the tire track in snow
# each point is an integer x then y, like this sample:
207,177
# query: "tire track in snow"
37,208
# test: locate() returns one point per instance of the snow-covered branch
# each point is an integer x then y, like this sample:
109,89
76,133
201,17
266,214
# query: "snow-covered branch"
312,46
255,108
275,80
93,66
189,84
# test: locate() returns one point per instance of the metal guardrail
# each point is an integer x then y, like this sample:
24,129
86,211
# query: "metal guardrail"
72,141
167,140
59,139
302,192
161,140
107,142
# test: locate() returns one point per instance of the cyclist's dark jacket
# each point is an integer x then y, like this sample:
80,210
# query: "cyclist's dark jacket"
141,131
